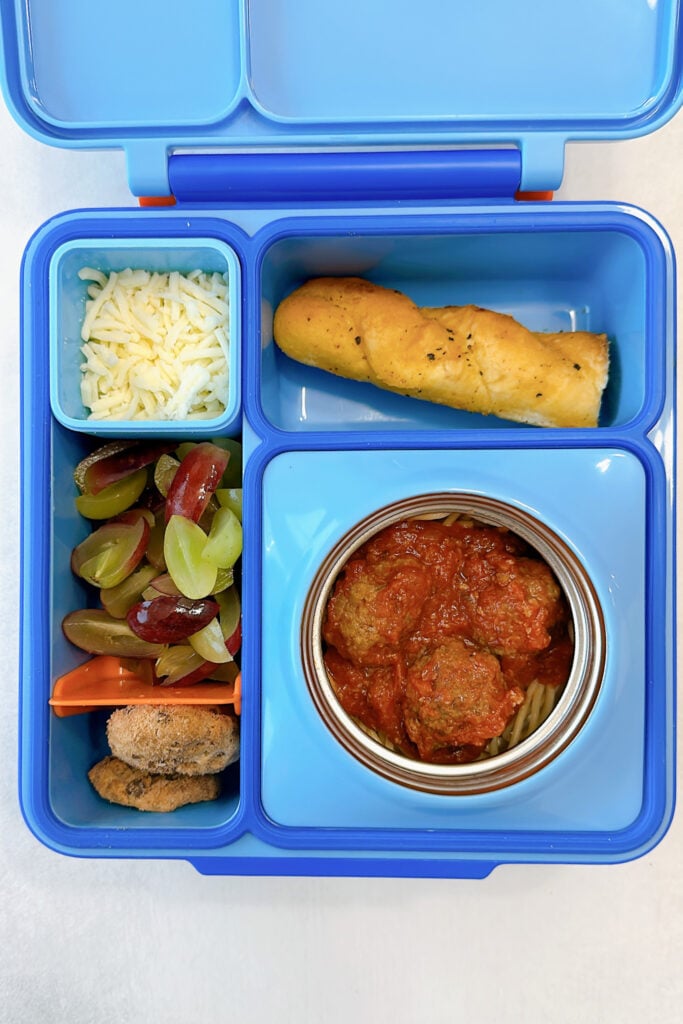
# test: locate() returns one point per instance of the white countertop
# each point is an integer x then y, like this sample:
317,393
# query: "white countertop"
102,941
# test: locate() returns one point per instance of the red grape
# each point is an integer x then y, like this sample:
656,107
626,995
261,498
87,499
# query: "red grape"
95,631
168,619
195,481
111,553
100,472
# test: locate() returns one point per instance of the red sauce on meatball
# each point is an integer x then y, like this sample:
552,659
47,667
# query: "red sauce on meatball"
434,631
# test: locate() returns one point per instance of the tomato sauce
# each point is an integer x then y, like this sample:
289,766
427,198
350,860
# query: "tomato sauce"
434,631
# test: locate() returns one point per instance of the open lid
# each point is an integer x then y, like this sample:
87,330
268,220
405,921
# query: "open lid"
153,77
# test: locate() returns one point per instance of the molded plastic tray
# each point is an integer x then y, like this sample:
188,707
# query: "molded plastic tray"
320,454
258,79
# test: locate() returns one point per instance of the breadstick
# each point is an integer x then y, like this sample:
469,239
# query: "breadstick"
460,356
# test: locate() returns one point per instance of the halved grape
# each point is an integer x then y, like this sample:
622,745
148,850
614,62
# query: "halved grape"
114,499
227,672
168,619
101,472
231,497
234,641
224,579
180,665
103,452
117,600
95,631
164,471
195,481
110,553
224,544
230,619
164,584
184,544
209,643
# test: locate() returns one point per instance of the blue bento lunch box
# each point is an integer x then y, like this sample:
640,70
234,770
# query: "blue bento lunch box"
301,140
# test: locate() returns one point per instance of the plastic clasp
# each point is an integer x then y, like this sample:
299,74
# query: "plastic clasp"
157,200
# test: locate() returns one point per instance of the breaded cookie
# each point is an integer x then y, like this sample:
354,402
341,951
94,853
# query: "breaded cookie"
174,739
118,783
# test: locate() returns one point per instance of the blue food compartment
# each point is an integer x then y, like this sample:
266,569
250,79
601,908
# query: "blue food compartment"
76,742
594,787
561,272
322,453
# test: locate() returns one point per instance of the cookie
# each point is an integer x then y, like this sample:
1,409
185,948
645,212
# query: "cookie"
174,739
118,783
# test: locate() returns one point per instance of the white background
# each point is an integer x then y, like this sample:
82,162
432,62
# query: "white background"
90,941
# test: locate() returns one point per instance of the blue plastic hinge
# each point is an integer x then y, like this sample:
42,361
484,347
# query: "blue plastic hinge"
346,176
147,165
542,155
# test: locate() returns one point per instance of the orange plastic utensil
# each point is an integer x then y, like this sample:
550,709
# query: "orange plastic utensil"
107,681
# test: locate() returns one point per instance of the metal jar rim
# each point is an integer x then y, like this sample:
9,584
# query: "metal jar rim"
562,724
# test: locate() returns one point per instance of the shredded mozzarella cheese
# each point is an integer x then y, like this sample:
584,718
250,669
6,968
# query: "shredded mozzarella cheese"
155,346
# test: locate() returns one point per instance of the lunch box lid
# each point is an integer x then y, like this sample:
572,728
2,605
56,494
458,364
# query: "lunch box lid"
515,82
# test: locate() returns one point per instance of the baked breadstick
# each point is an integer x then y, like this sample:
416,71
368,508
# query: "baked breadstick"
461,356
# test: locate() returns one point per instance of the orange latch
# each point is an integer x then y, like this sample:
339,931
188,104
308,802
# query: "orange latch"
156,200
534,197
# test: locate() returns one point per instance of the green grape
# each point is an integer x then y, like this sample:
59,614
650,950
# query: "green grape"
184,449
210,644
224,579
231,497
95,631
230,611
114,499
179,663
224,543
184,544
164,473
227,672
117,600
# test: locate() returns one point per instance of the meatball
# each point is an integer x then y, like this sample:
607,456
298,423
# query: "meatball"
513,603
456,697
374,608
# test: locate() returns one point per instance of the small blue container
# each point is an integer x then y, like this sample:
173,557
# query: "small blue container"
67,297
412,181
